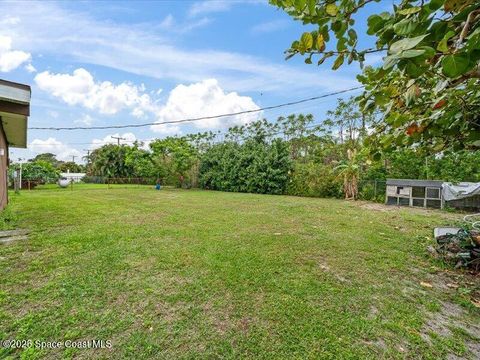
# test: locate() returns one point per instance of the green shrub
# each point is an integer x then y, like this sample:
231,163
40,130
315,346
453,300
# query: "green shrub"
317,180
254,167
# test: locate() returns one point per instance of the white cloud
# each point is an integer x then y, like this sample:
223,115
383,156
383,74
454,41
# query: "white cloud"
205,98
51,30
81,89
167,129
52,145
11,59
167,22
53,114
86,120
270,26
9,20
209,6
30,68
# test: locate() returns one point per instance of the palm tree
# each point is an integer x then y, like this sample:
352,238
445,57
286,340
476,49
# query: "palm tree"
349,171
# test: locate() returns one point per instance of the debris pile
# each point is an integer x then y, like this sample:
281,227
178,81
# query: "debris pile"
459,246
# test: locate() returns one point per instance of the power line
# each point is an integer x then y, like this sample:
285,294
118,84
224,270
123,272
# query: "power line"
106,142
198,118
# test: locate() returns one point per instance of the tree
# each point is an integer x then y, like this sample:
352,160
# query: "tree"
47,157
109,161
70,166
140,162
428,87
39,171
350,122
174,157
349,170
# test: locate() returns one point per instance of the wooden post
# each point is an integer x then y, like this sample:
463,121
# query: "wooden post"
16,181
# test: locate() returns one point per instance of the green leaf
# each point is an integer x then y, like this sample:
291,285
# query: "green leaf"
429,51
443,44
331,9
390,61
338,61
375,23
377,156
414,70
435,4
455,65
311,7
341,44
300,4
289,56
325,57
405,27
352,34
411,53
320,42
409,11
307,41
406,44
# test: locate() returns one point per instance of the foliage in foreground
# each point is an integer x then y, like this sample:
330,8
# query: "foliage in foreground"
428,88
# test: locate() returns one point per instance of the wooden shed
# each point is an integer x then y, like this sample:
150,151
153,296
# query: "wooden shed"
418,193
14,113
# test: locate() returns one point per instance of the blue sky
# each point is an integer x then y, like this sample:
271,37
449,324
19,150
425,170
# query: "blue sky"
109,63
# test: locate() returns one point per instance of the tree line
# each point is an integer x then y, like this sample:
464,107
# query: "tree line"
294,155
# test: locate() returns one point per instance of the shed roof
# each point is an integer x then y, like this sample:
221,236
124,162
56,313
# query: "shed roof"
411,182
14,111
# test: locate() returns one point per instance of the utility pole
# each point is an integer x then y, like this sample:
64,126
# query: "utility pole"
88,155
118,139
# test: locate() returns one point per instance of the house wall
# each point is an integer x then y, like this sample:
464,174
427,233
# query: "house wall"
3,168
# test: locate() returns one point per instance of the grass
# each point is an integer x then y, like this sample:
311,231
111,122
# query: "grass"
198,274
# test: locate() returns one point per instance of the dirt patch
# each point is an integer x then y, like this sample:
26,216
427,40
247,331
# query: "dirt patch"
379,345
388,208
377,207
452,316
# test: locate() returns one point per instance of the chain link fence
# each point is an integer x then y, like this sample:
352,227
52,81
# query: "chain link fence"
372,190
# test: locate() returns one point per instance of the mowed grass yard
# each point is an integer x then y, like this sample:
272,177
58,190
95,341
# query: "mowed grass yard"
200,274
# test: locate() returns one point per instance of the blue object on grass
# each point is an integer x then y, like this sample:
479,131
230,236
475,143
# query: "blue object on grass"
158,187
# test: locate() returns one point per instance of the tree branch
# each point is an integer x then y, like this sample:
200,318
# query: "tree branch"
471,17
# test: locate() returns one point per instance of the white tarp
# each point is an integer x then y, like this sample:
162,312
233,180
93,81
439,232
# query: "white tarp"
460,190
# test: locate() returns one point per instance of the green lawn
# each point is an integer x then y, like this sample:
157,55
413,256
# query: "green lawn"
197,274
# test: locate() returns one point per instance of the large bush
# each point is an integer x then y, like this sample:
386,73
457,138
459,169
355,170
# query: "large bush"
254,166
40,172
313,179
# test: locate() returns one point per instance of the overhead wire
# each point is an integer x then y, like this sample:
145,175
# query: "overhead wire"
194,119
